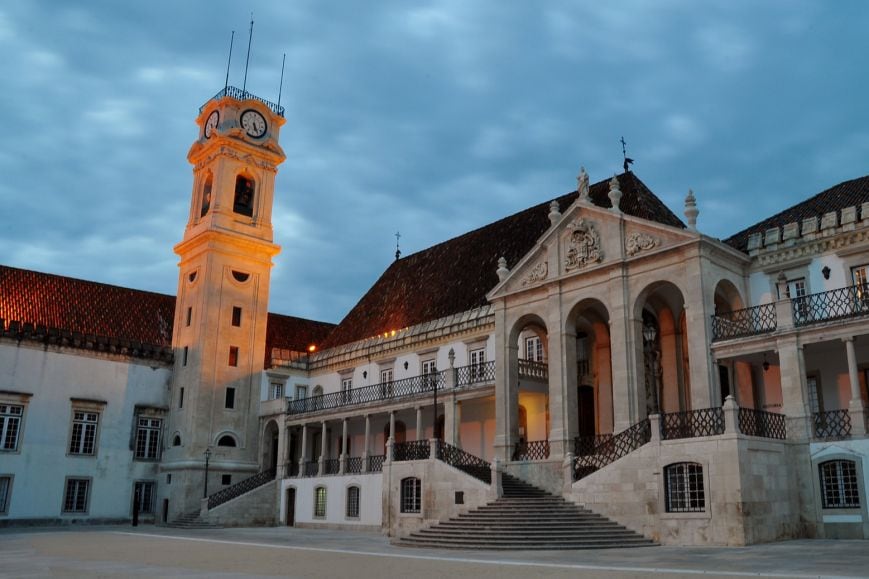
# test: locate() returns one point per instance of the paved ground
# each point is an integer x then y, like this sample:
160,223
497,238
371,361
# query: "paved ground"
149,552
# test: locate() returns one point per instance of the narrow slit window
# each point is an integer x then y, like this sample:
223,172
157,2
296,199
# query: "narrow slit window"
189,316
184,356
181,398
230,398
233,355
236,316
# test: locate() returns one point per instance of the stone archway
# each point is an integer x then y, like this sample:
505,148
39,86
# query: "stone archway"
269,447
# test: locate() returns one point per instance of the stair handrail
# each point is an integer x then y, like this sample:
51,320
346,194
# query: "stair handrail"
241,487
620,445
464,461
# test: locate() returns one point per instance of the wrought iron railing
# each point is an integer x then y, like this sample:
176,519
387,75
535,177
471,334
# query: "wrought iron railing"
375,462
411,450
532,450
353,465
832,425
464,461
354,396
533,369
620,445
692,423
583,445
293,469
331,466
239,94
762,423
312,468
746,322
837,304
475,374
241,487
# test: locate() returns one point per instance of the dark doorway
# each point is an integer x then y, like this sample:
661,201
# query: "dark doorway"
585,404
724,380
291,507
165,510
274,457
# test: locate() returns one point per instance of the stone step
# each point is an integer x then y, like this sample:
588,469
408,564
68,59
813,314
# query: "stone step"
523,546
507,525
525,534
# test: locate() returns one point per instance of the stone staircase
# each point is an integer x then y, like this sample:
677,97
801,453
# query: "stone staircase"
192,520
526,518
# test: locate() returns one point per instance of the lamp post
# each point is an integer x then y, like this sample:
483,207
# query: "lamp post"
650,332
205,482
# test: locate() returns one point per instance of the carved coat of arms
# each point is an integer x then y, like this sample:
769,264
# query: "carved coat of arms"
639,241
537,273
583,245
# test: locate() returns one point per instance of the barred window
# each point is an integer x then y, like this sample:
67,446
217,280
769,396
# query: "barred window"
320,502
411,495
10,426
75,499
684,490
148,438
143,492
352,502
84,432
5,487
839,488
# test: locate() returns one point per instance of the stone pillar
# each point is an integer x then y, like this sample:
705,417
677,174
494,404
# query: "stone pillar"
322,468
731,415
567,472
342,466
655,425
626,355
794,390
699,307
303,453
392,425
419,431
856,408
450,407
496,489
281,462
433,448
784,311
506,386
365,450
559,404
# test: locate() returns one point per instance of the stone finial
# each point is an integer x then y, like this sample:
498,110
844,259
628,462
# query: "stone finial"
615,194
582,184
554,212
502,272
691,211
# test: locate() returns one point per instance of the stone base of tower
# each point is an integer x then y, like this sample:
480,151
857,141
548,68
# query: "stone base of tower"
183,486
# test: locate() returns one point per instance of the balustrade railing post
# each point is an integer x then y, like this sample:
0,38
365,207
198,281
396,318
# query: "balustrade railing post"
496,489
389,449
784,311
731,415
655,425
567,471
433,449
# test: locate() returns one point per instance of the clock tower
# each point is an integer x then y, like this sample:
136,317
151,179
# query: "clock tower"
221,307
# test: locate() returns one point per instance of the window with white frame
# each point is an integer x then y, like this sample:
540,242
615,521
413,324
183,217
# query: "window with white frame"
839,486
276,391
75,498
684,488
796,290
386,382
5,492
83,438
352,511
148,438
534,349
477,362
143,492
816,400
411,495
320,502
860,277
429,372
301,391
346,386
10,426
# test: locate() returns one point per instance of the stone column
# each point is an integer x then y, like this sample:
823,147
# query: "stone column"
559,399
784,311
731,415
794,390
303,453
392,425
655,426
281,462
450,406
626,355
342,466
856,408
419,431
323,448
506,386
367,443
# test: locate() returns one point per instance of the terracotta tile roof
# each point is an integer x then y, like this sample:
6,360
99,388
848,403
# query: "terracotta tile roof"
845,194
110,312
455,276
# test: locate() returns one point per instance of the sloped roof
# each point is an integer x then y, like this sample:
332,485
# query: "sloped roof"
846,194
117,313
455,276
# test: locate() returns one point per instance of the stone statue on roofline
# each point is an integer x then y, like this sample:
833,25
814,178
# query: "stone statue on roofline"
582,184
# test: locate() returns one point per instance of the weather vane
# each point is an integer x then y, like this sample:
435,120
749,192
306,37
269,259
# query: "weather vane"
397,250
628,161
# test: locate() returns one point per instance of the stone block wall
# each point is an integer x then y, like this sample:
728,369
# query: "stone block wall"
258,508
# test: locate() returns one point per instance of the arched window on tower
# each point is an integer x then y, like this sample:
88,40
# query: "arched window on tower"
206,194
244,191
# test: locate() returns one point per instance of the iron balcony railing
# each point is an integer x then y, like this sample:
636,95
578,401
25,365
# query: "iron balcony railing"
692,423
331,466
832,425
411,450
375,462
533,370
762,423
584,445
475,374
354,396
240,488
353,465
532,450
746,322
293,469
464,461
312,468
837,304
620,445
239,94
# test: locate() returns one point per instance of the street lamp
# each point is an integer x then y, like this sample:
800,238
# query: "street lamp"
205,482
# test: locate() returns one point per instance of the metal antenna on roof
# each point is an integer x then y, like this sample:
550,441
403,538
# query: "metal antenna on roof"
281,88
247,61
397,250
228,61
628,161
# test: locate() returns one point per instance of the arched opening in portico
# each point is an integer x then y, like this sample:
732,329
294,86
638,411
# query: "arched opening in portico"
589,370
528,400
269,447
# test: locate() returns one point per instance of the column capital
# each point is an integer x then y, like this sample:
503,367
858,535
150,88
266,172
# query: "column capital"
847,339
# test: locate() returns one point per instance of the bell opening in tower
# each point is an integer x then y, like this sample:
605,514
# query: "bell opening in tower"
244,190
206,195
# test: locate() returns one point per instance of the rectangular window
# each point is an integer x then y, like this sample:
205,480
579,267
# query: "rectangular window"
236,316
860,277
148,438
320,502
181,397
839,488
477,360
5,490
411,495
189,316
277,390
684,488
346,386
301,391
796,290
352,502
143,493
184,356
386,382
84,432
230,398
233,355
429,372
10,426
534,349
75,499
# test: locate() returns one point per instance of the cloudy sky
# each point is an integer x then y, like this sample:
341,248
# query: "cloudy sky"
430,118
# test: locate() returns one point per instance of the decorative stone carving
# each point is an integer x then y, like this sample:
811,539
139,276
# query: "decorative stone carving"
639,241
582,184
502,270
538,273
554,212
615,194
691,211
583,245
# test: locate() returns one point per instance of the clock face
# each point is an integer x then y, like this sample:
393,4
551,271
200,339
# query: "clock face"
253,123
211,123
